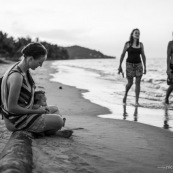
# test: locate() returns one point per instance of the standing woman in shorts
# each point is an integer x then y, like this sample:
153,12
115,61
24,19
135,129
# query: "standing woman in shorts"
169,70
134,66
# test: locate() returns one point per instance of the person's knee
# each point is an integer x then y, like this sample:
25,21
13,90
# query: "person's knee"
54,122
59,122
129,85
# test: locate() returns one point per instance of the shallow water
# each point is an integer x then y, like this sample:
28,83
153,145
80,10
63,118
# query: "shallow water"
106,88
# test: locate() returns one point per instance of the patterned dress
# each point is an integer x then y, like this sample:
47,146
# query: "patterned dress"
29,122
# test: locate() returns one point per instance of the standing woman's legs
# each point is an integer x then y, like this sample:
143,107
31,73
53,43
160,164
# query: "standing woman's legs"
168,92
138,88
128,86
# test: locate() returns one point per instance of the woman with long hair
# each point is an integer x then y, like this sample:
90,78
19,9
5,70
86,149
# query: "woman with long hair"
135,63
169,70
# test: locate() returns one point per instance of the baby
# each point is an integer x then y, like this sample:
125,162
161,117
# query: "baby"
40,101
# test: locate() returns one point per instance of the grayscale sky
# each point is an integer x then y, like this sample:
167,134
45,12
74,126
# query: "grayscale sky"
103,25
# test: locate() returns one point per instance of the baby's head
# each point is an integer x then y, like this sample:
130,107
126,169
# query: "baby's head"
40,98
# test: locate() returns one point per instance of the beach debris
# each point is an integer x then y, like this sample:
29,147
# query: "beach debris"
60,87
40,87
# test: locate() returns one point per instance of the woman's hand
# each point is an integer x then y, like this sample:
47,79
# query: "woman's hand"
47,109
120,70
42,110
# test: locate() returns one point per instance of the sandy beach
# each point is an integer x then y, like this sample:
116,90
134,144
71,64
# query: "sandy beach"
98,145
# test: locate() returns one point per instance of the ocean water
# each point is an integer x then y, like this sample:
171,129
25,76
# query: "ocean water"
106,88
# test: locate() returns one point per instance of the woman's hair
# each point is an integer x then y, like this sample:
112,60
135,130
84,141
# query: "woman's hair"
35,50
131,37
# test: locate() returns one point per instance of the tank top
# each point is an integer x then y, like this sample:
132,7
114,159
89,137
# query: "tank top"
134,55
171,47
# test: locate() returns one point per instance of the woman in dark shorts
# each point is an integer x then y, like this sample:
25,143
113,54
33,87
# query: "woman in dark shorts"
134,66
169,70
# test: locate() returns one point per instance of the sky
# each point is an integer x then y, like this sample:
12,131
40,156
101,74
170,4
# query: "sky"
102,25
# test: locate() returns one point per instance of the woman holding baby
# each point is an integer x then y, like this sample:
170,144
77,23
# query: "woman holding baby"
18,90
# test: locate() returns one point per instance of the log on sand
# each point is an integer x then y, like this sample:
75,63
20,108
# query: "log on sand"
16,157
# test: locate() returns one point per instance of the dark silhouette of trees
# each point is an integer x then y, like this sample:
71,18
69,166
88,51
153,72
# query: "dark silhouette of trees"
10,48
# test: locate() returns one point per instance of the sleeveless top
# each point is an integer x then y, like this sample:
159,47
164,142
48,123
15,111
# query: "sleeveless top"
171,42
134,55
24,121
25,94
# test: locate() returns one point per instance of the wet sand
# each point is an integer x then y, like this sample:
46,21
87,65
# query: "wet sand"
99,145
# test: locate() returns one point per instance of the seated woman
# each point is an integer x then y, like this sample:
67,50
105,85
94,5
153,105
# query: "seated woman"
17,94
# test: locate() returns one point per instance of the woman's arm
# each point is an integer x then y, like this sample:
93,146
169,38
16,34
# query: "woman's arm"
168,71
122,57
14,84
35,106
143,58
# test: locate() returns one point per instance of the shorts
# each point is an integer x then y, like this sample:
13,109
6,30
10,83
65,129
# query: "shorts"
171,67
170,77
134,70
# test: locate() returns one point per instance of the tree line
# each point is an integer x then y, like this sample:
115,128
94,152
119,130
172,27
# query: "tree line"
10,48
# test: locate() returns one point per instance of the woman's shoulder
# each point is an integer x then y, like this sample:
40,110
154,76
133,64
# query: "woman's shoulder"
141,44
170,43
15,74
16,70
127,44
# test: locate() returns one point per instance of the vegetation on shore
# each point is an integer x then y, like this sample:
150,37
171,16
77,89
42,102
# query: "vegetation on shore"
78,52
10,49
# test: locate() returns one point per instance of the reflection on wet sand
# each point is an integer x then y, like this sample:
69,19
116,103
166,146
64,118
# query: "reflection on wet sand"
166,125
136,115
125,114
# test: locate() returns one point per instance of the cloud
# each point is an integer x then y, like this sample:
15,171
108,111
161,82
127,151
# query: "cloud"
59,36
64,35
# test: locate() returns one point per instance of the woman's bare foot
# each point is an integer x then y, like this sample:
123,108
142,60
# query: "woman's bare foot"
64,133
60,133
